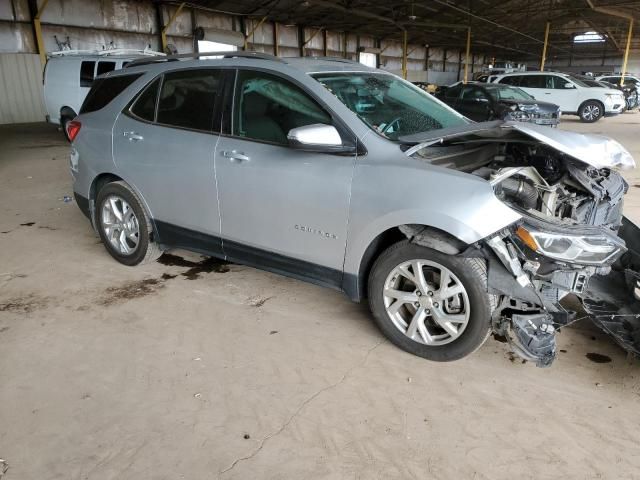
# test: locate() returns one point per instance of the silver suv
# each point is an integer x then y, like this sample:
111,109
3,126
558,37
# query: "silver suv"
350,177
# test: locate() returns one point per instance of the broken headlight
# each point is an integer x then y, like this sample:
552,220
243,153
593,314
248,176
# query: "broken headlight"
584,249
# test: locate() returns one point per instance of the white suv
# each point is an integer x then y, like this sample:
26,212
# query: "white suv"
572,95
615,79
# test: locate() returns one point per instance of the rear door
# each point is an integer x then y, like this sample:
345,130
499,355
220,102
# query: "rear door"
282,209
164,145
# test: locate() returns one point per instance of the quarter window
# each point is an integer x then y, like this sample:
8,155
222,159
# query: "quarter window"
86,73
267,107
187,98
106,89
145,105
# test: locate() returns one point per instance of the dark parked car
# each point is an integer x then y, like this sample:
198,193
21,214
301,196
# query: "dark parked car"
493,101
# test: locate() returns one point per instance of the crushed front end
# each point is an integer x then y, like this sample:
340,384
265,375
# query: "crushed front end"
572,238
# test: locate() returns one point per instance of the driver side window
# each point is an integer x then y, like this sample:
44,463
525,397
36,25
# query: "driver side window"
267,107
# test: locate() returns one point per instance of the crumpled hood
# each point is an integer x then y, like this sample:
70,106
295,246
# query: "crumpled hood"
595,150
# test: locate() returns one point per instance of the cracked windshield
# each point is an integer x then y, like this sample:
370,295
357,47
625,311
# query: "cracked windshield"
389,106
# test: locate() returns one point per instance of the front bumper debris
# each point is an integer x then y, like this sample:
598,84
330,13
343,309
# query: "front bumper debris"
531,290
613,301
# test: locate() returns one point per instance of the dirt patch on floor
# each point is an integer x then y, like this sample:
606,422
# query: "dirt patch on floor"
130,291
23,304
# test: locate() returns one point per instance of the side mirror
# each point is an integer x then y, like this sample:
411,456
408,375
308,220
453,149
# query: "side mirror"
569,85
318,138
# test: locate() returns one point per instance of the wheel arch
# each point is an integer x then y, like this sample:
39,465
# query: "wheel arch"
67,111
599,102
98,182
437,239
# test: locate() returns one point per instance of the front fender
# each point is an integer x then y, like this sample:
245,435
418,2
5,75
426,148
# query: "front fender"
411,192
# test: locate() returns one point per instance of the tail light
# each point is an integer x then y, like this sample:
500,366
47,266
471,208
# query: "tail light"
73,128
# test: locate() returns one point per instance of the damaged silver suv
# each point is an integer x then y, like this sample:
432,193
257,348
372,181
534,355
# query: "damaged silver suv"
350,177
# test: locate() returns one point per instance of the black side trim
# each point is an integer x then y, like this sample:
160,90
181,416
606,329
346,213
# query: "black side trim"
276,263
83,205
170,235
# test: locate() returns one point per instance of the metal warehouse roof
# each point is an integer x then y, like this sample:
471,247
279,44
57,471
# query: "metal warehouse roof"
514,27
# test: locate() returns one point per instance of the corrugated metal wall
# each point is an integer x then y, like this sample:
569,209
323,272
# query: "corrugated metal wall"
21,86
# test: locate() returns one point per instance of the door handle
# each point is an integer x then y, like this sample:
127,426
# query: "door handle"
133,136
235,155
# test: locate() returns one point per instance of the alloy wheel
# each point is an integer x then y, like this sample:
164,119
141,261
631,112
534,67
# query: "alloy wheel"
427,302
591,112
120,225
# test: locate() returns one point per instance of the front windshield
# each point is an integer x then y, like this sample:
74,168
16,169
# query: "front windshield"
389,105
508,93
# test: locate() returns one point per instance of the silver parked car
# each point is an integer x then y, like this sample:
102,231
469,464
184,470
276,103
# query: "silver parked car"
350,177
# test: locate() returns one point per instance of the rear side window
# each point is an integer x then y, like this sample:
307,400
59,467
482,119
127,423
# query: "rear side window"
106,89
145,105
534,81
187,98
104,67
86,73
514,80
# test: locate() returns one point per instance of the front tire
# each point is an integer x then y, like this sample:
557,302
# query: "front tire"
591,111
124,226
430,304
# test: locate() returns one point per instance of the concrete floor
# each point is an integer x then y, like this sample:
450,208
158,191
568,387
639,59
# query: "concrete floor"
184,371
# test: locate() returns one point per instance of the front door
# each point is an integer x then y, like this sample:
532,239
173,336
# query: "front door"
282,209
474,104
165,149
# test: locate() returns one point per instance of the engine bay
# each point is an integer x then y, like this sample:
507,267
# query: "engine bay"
550,186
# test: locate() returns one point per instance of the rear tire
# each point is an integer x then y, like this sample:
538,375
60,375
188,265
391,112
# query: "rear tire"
448,327
124,226
591,111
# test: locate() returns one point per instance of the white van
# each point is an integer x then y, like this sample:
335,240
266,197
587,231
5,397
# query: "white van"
69,74
572,95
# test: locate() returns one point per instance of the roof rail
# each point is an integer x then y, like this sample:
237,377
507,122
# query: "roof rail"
173,58
332,59
107,52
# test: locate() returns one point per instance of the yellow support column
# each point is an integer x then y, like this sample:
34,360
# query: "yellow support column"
544,48
38,31
626,53
163,32
466,60
404,54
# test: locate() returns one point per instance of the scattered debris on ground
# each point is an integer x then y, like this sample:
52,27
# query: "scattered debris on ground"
257,301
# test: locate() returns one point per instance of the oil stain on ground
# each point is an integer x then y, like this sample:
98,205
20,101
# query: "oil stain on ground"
598,358
207,265
28,224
